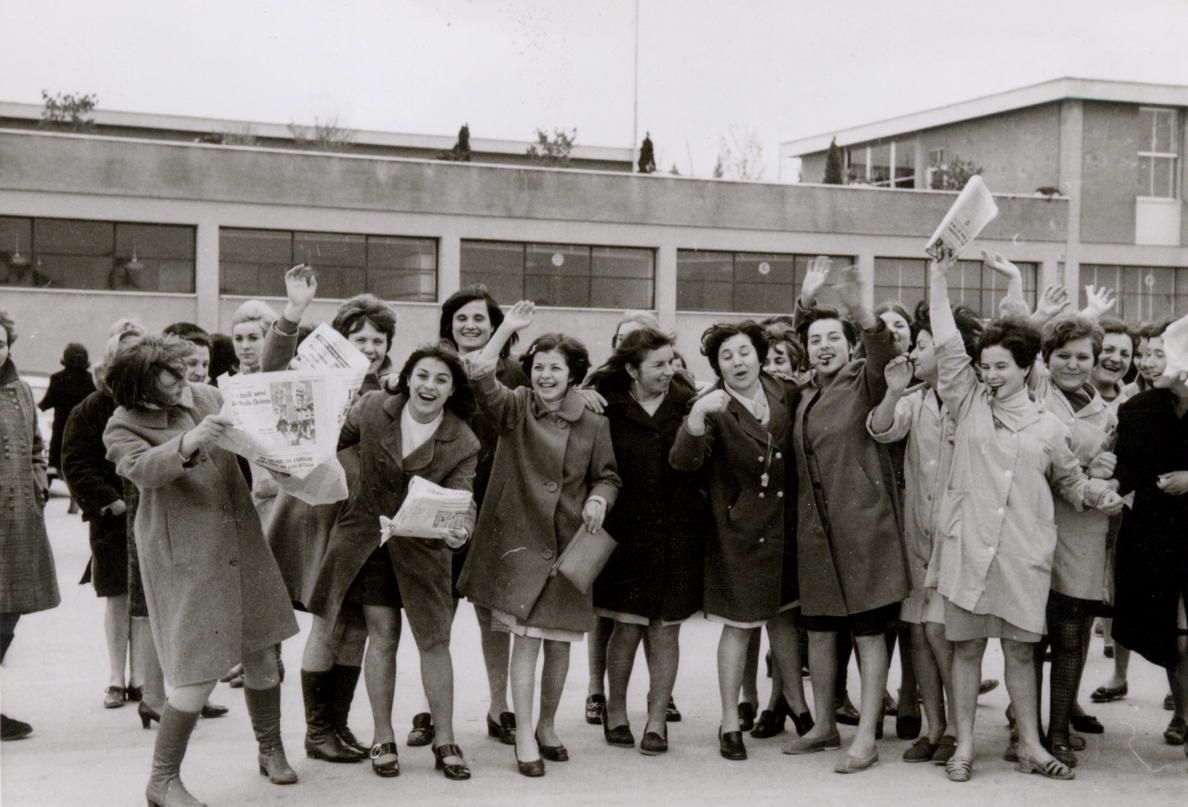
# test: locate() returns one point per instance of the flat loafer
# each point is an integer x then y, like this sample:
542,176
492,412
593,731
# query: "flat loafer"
730,745
1109,694
810,745
653,744
849,764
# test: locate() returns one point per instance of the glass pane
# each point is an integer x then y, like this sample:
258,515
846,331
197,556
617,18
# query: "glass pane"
1164,139
258,246
557,290
557,259
1163,180
1146,130
617,292
764,298
1180,301
856,164
16,251
905,164
699,265
70,237
329,249
880,164
622,262
750,267
498,266
1146,182
402,284
154,241
402,268
704,295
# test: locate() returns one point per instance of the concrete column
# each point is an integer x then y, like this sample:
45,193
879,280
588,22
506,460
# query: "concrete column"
1072,149
206,275
866,268
666,285
449,265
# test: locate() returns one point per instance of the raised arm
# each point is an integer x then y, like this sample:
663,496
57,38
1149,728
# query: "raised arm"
695,439
814,280
280,343
891,420
957,380
150,466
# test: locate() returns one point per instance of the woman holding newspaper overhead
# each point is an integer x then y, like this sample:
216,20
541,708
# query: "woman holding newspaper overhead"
553,481
418,431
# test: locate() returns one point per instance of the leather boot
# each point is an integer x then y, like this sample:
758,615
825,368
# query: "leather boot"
346,678
265,711
321,742
165,788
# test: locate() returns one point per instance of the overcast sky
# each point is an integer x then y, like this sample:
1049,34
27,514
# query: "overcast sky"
784,68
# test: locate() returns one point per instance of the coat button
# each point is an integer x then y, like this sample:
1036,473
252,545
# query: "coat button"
760,459
551,486
780,493
562,424
547,554
761,494
762,540
779,455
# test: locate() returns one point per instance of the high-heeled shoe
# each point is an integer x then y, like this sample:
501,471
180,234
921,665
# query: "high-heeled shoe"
454,771
133,694
148,714
746,716
385,769
553,753
504,730
532,768
113,697
620,736
730,745
804,722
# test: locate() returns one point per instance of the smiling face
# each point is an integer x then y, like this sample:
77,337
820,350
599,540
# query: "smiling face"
550,375
198,365
3,345
471,326
430,385
1114,362
654,374
1000,372
1072,363
171,386
738,362
923,357
248,340
900,329
1154,361
828,350
1140,357
372,343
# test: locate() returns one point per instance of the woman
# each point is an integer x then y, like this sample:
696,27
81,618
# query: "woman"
215,596
298,532
653,581
853,574
740,433
67,389
1115,361
554,474
918,416
249,327
997,519
419,431
28,581
468,320
1151,573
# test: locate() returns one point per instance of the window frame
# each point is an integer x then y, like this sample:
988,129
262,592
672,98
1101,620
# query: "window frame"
795,258
1156,157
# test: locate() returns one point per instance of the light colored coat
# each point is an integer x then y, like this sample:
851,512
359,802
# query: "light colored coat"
997,518
212,586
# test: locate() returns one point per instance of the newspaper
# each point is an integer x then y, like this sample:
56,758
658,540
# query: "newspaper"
326,348
968,216
428,511
286,421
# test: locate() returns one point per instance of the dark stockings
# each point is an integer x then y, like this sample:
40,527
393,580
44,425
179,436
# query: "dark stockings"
1066,633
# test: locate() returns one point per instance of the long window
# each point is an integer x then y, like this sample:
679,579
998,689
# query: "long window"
96,255
565,275
906,281
253,262
884,165
741,282
1145,293
1158,152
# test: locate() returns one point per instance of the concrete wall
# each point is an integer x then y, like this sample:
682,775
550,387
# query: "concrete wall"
1110,172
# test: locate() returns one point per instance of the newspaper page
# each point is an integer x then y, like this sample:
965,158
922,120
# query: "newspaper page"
968,216
326,348
428,511
285,421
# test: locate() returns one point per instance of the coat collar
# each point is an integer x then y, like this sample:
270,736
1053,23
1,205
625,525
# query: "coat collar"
571,407
777,426
422,455
673,407
159,418
8,372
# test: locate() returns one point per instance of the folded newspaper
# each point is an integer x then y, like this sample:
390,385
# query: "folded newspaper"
968,216
428,511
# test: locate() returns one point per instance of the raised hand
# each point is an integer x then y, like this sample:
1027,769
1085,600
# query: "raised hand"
520,315
1098,301
818,273
301,284
898,373
847,281
1000,265
1052,302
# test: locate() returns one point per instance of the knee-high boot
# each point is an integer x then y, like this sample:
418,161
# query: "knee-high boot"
321,740
165,788
265,710
346,678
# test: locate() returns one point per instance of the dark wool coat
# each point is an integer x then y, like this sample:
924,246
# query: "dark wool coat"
1151,558
851,551
547,464
212,586
28,580
95,485
750,558
660,519
66,390
421,566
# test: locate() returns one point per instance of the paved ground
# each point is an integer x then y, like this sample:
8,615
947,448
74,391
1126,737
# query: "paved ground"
81,754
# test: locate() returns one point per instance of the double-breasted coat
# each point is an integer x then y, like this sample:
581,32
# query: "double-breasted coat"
1151,558
547,464
211,584
659,519
28,580
750,555
422,567
851,551
95,485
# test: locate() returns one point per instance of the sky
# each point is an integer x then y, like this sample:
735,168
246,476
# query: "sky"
706,69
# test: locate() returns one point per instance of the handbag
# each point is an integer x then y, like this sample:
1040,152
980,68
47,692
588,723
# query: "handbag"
584,558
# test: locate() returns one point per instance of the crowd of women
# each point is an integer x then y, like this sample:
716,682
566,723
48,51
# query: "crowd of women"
848,478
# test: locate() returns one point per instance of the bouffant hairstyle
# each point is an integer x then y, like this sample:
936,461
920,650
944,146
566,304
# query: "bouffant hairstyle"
75,357
190,332
779,332
362,309
461,401
715,335
1020,338
462,297
254,311
826,312
577,358
1062,330
132,374
645,318
969,325
632,351
8,325
1154,330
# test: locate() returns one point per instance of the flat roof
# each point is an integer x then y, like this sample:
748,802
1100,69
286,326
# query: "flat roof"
1087,89
280,131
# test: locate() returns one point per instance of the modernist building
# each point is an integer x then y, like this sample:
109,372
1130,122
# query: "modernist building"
1112,149
143,218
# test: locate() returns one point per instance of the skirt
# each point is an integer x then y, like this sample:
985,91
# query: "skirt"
108,569
792,606
923,605
962,626
635,619
375,584
874,622
506,623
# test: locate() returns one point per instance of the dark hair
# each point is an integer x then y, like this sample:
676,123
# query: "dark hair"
897,307
677,356
778,331
576,356
361,309
826,312
778,319
640,317
969,325
190,332
1062,330
463,297
1020,338
222,355
75,357
1154,330
631,351
132,374
715,335
8,325
1112,325
461,400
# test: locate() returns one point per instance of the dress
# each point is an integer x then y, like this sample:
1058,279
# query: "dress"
28,579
